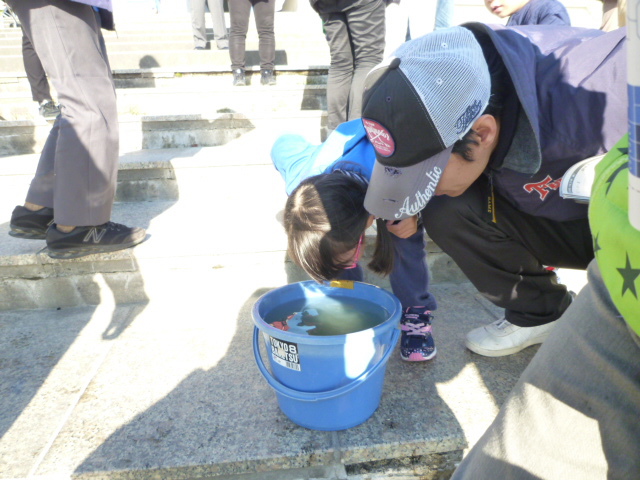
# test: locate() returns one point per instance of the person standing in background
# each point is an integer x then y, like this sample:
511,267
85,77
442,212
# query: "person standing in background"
198,23
40,91
614,14
264,13
530,12
355,32
409,19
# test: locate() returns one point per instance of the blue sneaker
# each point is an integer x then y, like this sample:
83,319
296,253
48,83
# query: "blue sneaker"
416,342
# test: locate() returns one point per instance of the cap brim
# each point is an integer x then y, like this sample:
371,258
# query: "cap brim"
396,193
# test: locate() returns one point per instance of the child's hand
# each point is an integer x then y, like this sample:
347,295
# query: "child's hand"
404,228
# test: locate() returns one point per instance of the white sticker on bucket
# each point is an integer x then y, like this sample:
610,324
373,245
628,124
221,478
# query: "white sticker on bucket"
285,354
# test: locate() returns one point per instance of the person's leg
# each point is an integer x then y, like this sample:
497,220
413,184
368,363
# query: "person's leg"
505,260
367,32
410,283
609,15
340,69
422,17
35,72
396,24
239,12
574,411
444,13
216,8
622,13
198,24
86,148
264,13
410,275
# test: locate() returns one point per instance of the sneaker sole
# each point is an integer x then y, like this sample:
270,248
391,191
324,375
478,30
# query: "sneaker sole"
77,252
504,352
412,358
27,233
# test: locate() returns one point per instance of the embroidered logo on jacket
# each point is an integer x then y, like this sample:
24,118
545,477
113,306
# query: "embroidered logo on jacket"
544,187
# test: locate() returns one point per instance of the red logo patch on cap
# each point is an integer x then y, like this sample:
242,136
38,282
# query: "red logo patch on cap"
379,137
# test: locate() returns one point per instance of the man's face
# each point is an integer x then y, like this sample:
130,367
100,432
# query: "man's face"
459,174
504,8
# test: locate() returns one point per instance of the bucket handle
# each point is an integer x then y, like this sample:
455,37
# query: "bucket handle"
317,396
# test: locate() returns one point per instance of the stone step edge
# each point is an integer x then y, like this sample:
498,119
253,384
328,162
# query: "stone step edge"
37,281
168,72
149,120
131,93
141,160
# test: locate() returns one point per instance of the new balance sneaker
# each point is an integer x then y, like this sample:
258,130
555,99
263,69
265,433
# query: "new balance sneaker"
82,241
416,341
32,224
267,77
239,78
502,338
48,109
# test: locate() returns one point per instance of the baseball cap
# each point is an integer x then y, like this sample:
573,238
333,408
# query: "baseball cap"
416,105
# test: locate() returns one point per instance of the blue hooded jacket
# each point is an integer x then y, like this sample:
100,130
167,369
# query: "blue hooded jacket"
347,148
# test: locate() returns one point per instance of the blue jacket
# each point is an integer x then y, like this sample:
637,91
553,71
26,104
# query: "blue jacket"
347,148
571,86
540,12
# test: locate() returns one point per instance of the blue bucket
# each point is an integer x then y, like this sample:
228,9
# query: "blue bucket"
331,382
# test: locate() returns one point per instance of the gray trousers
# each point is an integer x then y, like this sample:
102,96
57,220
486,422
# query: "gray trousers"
264,16
77,172
38,82
356,38
198,23
574,413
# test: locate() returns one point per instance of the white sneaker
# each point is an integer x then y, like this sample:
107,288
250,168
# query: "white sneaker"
502,338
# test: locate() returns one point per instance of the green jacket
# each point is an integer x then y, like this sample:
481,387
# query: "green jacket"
616,241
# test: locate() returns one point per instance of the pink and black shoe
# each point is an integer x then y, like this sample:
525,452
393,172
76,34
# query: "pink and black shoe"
416,342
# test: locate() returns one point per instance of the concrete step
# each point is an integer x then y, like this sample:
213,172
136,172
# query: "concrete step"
165,192
168,131
162,43
193,202
182,95
168,388
143,58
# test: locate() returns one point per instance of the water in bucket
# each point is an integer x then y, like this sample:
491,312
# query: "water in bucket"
327,316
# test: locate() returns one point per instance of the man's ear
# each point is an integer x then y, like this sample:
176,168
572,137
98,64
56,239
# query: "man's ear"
488,129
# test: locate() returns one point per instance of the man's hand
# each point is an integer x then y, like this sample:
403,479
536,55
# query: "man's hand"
404,228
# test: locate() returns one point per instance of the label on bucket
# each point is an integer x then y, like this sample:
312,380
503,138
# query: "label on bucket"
285,353
342,284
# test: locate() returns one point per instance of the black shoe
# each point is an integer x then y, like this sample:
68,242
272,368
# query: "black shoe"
49,109
26,223
267,77
239,79
83,241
